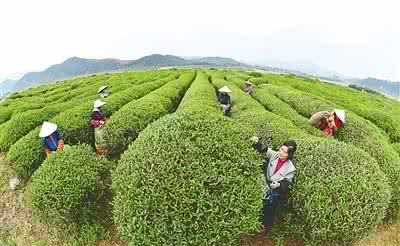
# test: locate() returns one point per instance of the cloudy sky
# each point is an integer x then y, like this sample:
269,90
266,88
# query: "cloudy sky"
354,38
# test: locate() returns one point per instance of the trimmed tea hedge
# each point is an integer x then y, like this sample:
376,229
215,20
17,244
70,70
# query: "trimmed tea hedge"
5,114
117,101
60,96
160,101
27,153
396,146
62,183
74,122
240,78
200,98
340,194
377,109
23,123
253,116
275,105
125,80
188,179
125,124
192,177
356,131
73,89
322,203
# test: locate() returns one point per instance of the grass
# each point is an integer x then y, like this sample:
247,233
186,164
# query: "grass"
18,225
386,235
16,220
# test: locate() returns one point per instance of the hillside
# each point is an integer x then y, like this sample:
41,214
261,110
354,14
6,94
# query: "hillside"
7,86
391,88
218,61
76,66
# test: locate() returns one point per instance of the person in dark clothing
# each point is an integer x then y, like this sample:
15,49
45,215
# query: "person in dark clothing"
225,100
279,173
97,122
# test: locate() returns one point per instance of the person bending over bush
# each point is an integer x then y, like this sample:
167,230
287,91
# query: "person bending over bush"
97,122
225,100
248,87
51,138
328,122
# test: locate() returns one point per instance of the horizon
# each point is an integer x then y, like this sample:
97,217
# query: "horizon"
17,76
335,36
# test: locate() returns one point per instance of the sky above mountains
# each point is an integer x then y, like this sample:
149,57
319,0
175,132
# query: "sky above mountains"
354,38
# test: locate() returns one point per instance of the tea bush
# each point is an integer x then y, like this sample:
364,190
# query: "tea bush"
356,131
200,97
27,153
320,203
126,123
377,109
63,183
188,179
23,123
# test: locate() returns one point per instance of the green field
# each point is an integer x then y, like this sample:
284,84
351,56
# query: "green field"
184,174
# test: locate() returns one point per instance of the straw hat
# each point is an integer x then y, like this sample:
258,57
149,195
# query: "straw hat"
102,88
225,89
47,129
99,103
340,114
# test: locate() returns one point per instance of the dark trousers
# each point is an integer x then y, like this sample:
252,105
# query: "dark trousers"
227,109
272,208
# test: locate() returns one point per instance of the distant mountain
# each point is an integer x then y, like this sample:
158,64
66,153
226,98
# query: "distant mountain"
157,61
190,57
305,67
218,61
7,86
76,66
8,81
71,67
391,88
13,76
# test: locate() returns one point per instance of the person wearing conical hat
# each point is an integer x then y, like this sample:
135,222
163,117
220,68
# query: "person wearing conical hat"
51,138
328,122
225,100
103,91
98,118
97,122
248,87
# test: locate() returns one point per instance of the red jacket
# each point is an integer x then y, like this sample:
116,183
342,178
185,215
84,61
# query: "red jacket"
97,117
331,131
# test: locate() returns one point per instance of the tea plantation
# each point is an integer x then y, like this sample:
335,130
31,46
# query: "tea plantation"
182,173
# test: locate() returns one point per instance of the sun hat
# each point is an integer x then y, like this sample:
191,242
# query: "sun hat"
47,129
225,89
99,103
340,114
102,88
